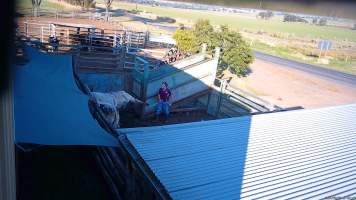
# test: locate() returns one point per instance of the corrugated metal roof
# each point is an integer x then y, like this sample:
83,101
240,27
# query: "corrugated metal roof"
305,154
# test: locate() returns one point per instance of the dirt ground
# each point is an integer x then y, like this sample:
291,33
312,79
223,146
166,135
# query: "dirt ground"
287,87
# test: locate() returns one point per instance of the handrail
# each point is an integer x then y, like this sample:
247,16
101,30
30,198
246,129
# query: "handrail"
69,35
75,14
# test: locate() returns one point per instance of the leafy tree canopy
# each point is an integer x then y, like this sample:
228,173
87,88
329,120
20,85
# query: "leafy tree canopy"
236,54
186,41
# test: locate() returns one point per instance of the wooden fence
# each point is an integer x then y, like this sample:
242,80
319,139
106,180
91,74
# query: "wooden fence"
74,36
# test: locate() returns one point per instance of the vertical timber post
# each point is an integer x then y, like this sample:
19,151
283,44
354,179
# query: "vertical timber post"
203,49
26,29
215,63
144,80
222,93
217,53
121,39
114,43
42,34
7,147
67,36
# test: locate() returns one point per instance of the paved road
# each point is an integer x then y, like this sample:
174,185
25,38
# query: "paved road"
333,75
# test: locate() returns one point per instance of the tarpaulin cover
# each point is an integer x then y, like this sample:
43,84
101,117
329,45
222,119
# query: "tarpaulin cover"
49,107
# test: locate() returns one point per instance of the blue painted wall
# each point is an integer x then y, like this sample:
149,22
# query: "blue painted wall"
104,82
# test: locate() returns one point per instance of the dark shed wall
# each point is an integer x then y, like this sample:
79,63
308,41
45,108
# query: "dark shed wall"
7,148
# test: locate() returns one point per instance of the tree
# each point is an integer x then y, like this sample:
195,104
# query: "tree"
236,54
107,6
186,41
88,4
265,15
85,4
36,6
354,28
293,18
322,22
205,34
315,20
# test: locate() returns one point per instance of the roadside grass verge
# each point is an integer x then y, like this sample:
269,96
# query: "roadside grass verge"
347,66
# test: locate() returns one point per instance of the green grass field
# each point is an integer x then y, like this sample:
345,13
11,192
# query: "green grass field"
25,4
238,21
347,66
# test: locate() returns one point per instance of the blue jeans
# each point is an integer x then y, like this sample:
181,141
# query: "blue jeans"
162,106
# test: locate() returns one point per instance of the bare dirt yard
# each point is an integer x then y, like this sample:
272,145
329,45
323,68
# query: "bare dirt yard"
289,87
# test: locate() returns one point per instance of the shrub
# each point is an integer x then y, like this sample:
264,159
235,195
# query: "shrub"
82,3
265,15
186,41
205,33
236,54
315,20
166,19
322,22
293,18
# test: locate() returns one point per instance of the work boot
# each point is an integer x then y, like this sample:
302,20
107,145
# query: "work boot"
166,118
157,118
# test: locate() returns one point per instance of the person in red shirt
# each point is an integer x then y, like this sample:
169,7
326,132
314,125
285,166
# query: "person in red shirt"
164,99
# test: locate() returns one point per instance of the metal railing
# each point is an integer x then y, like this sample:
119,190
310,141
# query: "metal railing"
73,36
232,101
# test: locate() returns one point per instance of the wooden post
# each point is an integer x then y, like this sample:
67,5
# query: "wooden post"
129,39
146,39
222,92
114,42
42,34
67,36
26,29
143,79
203,49
217,53
54,30
121,38
145,83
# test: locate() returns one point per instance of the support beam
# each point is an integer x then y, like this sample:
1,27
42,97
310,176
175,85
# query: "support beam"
7,148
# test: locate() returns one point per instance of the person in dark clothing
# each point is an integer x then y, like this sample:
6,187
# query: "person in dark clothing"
164,99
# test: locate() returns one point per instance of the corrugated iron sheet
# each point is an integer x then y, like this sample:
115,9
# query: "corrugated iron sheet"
305,154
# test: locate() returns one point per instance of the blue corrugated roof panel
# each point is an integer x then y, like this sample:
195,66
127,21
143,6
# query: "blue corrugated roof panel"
305,154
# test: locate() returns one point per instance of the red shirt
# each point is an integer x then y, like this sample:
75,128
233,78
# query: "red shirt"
164,94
